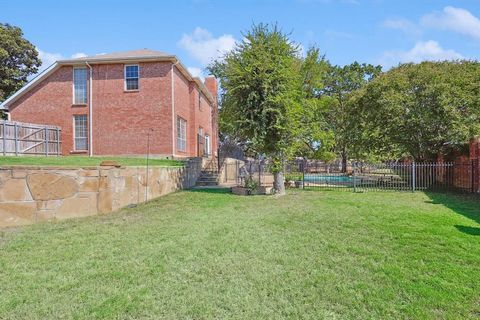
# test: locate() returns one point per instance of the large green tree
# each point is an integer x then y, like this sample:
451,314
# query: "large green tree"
421,110
343,117
260,93
18,60
313,137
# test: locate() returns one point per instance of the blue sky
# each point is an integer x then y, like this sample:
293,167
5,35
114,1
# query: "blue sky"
375,31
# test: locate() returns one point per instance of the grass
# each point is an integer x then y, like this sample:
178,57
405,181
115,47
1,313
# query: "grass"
208,254
83,161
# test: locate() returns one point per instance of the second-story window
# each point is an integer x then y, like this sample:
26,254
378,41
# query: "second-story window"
131,77
80,85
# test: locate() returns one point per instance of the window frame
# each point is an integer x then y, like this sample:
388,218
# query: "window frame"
181,130
74,102
75,133
207,145
125,77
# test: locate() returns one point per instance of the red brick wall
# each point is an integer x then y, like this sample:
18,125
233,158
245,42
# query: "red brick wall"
50,102
197,112
121,120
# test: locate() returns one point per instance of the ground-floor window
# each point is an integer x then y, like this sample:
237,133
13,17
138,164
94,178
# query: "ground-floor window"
80,132
181,134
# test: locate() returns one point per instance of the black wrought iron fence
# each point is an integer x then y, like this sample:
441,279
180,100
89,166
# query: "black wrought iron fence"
360,176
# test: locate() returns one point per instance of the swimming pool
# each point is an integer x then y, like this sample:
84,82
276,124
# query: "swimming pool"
328,179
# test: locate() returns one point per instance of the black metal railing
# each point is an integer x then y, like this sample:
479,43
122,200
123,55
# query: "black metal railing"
361,176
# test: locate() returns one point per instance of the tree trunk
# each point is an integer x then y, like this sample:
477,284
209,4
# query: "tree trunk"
344,161
278,183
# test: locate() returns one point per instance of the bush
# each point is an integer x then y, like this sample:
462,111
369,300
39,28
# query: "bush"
251,184
293,176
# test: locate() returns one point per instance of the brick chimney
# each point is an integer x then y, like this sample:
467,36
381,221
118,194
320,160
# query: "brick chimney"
212,86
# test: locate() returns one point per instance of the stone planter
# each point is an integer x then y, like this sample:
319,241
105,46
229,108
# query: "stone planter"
242,191
264,190
299,184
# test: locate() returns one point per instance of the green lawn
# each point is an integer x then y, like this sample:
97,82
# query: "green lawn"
83,161
205,255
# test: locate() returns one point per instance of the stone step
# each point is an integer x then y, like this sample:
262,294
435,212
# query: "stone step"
208,180
209,175
207,183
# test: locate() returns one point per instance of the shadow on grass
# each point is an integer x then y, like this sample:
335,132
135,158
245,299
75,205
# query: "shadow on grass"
219,190
474,231
465,205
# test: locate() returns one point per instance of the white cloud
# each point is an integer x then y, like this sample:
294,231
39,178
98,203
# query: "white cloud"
78,55
422,51
204,47
196,72
49,58
404,25
454,19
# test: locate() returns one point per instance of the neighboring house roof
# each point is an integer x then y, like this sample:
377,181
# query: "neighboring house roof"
141,55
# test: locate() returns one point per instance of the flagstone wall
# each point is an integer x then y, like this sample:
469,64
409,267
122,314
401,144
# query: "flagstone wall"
34,194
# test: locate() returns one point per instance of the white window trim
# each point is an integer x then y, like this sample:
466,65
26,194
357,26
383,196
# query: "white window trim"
73,86
125,77
179,120
74,137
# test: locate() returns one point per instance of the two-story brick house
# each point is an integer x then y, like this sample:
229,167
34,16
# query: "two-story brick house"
108,104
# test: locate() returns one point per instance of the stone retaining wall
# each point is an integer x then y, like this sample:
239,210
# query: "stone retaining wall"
33,194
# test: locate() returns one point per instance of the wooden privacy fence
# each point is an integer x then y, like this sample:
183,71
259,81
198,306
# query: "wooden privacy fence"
17,138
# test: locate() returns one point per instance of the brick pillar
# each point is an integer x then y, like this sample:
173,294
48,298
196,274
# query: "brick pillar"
475,162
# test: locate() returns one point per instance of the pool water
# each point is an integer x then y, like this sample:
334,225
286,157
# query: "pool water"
332,179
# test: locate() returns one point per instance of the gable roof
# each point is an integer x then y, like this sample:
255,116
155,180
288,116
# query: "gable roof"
140,55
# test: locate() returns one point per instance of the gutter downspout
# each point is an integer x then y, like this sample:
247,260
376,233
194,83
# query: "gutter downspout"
173,109
90,112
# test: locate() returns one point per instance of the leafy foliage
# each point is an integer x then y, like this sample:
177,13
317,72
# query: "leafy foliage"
18,60
251,184
420,110
313,137
343,114
260,91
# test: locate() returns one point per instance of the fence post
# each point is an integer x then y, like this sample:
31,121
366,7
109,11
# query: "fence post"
46,141
413,176
58,142
472,175
237,174
354,180
303,173
15,136
4,141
